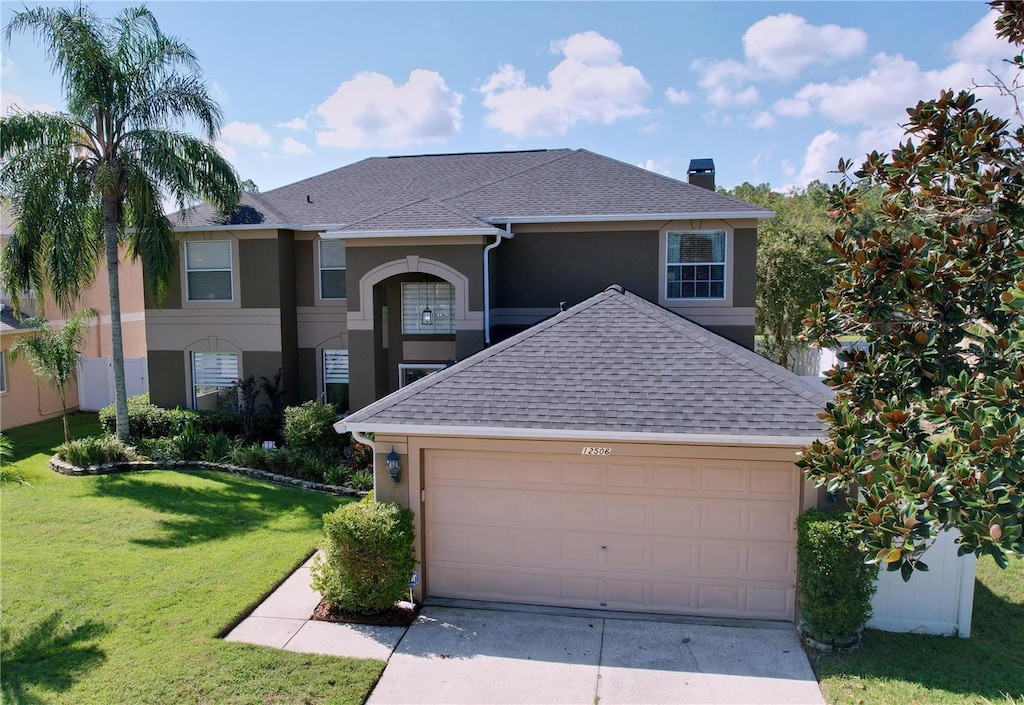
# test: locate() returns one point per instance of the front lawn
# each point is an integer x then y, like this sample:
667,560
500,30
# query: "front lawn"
987,669
115,586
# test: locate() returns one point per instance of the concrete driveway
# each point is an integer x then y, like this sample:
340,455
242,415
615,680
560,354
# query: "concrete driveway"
463,656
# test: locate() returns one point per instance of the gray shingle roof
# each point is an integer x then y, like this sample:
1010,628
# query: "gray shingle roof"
615,362
12,320
500,185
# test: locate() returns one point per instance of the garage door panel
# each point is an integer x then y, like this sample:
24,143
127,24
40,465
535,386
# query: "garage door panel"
698,537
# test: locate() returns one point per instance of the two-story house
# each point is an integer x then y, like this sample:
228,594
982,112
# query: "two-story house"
360,280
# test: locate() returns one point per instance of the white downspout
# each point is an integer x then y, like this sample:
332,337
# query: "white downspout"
487,282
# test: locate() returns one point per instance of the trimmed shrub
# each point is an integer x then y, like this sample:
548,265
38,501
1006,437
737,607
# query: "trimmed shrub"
834,584
310,429
96,450
368,557
145,420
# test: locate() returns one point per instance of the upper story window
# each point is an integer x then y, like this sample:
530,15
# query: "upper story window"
696,265
332,269
428,308
208,270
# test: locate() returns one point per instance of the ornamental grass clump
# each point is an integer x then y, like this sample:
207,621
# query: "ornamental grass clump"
368,557
834,584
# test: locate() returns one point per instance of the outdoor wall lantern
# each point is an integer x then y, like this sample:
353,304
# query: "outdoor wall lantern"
427,317
394,465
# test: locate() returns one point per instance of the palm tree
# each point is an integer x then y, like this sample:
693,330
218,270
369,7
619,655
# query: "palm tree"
53,354
81,182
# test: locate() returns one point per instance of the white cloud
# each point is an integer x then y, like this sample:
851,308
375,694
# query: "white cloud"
783,45
651,165
12,102
226,150
822,156
590,83
980,42
763,120
293,146
247,134
678,97
723,97
371,110
298,124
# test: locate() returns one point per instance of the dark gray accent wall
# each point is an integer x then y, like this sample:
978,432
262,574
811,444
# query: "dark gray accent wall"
305,273
362,370
260,274
261,363
467,259
744,335
289,317
308,365
539,270
167,378
745,268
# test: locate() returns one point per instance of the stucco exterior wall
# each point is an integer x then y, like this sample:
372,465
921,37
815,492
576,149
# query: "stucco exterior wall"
27,400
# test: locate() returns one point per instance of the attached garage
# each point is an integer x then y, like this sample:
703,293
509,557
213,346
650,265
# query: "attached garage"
696,536
615,456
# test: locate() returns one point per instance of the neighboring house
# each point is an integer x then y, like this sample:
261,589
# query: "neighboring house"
615,456
359,281
23,399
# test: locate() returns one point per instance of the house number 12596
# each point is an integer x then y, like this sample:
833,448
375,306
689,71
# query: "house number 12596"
596,451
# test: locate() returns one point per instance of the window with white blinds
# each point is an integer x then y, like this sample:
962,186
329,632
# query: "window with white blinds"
696,265
214,381
336,379
332,269
3,371
208,270
438,297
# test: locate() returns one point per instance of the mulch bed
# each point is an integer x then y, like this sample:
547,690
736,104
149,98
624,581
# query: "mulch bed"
401,615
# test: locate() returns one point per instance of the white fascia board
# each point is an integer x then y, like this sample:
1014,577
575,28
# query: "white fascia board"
613,217
359,234
557,434
257,226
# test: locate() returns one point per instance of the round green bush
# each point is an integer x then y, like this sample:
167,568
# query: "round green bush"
368,557
834,585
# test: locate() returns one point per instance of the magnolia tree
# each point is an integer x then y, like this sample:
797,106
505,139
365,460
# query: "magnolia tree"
927,423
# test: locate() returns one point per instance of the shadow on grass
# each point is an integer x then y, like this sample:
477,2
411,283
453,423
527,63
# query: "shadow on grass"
224,508
990,664
50,657
45,436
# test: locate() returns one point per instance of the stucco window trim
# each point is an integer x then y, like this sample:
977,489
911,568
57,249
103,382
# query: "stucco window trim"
730,263
236,271
319,299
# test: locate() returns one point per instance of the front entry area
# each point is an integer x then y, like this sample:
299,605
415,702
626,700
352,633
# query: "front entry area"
710,537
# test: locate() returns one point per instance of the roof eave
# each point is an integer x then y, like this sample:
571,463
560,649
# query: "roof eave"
632,217
596,435
412,232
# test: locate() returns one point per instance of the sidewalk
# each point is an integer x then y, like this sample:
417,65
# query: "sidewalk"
282,621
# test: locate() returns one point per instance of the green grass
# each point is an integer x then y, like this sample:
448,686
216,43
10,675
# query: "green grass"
114,587
910,668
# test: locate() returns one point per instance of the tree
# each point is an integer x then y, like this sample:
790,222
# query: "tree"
52,353
83,181
792,263
928,422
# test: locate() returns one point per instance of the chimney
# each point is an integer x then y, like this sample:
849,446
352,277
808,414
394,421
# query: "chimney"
702,173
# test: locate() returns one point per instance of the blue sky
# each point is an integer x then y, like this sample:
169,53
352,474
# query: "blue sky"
774,92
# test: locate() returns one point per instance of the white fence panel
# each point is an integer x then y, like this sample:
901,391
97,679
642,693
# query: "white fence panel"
937,602
96,380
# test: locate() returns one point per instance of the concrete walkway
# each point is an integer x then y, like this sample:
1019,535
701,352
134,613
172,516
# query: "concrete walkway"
464,656
283,622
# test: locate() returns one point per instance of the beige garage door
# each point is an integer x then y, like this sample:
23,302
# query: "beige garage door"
701,537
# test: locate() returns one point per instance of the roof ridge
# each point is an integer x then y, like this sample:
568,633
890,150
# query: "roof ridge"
749,359
477,187
663,177
478,357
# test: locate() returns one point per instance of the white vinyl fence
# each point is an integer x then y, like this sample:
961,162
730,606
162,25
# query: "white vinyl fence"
937,602
96,380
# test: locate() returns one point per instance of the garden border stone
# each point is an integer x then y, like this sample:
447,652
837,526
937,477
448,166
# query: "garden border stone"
65,468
